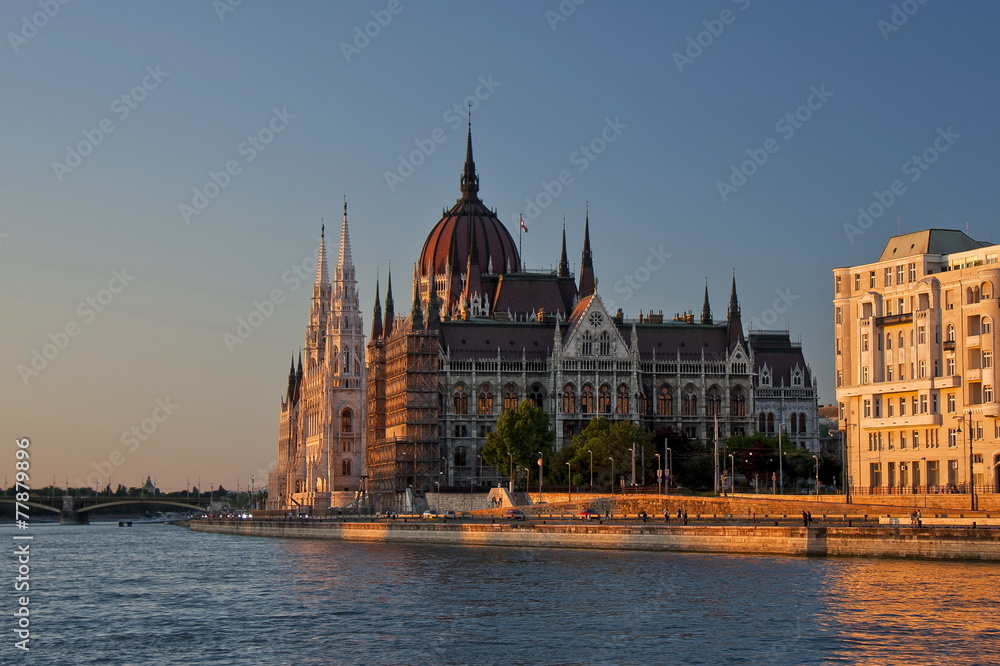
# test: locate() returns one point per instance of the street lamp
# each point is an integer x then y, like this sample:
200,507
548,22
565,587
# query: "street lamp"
967,422
569,480
511,477
659,473
438,484
541,460
670,467
816,458
781,461
611,458
732,471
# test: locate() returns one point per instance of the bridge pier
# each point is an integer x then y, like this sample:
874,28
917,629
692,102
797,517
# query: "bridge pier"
71,517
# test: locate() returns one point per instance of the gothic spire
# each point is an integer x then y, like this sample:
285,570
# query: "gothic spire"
345,262
563,260
588,285
390,313
470,181
706,309
734,325
734,303
377,315
416,313
322,274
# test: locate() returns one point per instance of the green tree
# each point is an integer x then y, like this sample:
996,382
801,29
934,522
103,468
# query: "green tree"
520,435
608,440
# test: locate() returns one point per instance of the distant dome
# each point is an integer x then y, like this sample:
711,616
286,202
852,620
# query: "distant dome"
469,218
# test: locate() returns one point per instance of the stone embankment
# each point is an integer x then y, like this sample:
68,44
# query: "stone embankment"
867,541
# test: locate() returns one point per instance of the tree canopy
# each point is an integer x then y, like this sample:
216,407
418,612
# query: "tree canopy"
520,435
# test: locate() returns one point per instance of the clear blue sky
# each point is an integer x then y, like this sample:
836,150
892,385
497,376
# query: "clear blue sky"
554,86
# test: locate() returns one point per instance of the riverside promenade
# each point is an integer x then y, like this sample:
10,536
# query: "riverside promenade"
756,526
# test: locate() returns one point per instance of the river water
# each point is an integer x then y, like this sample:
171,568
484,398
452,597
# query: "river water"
158,594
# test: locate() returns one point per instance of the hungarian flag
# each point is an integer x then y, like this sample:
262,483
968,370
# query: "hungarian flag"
524,227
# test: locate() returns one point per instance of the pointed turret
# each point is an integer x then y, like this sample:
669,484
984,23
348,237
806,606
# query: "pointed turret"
734,324
322,273
377,314
433,309
390,312
706,309
470,181
416,312
588,284
563,259
345,262
291,378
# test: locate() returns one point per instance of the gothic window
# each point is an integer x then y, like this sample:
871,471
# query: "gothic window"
646,402
665,401
510,397
321,484
765,377
345,445
485,399
569,399
802,423
797,377
621,405
587,344
460,456
461,400
596,319
689,402
604,344
345,468
738,402
949,335
587,399
347,421
713,405
762,422
347,360
770,423
604,399
537,396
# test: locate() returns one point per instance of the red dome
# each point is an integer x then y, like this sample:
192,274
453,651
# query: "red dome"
449,239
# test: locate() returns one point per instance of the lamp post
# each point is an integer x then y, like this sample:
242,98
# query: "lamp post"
611,458
541,460
816,458
569,480
732,471
967,422
591,470
843,463
438,485
781,461
511,477
670,467
659,473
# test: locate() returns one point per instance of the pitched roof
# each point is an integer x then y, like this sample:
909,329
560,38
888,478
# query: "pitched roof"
929,241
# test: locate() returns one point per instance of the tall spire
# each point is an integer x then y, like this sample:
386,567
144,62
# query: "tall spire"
416,313
470,181
563,260
377,314
345,262
390,313
706,309
734,325
734,303
322,274
588,286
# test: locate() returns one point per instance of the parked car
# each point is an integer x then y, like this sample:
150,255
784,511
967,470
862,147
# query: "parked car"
430,515
449,515
514,514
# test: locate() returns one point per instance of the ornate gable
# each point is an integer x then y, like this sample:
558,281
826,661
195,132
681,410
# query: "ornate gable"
592,332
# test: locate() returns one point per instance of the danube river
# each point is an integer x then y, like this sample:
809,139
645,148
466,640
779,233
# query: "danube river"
157,594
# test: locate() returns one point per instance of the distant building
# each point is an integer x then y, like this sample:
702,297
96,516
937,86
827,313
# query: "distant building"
915,344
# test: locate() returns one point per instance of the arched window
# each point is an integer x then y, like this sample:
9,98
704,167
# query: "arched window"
537,396
347,360
647,405
802,423
900,340
604,344
347,421
321,484
689,402
460,456
949,335
972,294
665,401
762,422
770,423
621,403
461,400
587,399
888,340
713,406
586,344
510,397
345,468
987,290
604,399
569,399
737,402
986,325
485,399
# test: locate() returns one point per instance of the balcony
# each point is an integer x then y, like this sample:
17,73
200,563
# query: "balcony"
911,421
949,345
893,320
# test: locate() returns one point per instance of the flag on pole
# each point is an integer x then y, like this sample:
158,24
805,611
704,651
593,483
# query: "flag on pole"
524,227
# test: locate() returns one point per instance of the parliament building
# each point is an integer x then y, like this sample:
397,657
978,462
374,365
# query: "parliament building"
482,333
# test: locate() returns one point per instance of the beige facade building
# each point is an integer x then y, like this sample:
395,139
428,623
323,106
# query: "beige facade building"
915,365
